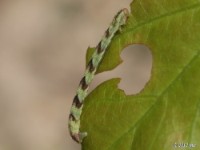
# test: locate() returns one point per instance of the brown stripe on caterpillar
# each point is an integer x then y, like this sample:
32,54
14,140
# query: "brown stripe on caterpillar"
91,66
99,50
83,84
76,138
71,116
117,14
77,102
107,33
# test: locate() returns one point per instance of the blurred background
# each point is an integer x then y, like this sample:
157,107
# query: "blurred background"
42,59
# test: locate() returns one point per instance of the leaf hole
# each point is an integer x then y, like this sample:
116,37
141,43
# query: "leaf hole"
135,71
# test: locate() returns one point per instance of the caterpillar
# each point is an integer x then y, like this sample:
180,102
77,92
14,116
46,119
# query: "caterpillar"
76,109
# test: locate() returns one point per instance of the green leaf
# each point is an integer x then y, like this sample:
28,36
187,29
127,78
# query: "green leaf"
167,110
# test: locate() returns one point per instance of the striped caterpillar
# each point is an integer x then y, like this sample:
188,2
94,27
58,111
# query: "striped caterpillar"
74,118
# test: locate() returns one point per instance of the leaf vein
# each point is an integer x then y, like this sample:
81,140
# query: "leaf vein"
182,10
153,105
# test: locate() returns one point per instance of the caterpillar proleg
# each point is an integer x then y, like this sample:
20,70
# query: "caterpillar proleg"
75,113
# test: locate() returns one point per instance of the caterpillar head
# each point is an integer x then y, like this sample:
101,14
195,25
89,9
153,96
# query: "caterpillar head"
122,16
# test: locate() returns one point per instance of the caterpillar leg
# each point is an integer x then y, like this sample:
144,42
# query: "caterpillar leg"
78,137
74,125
